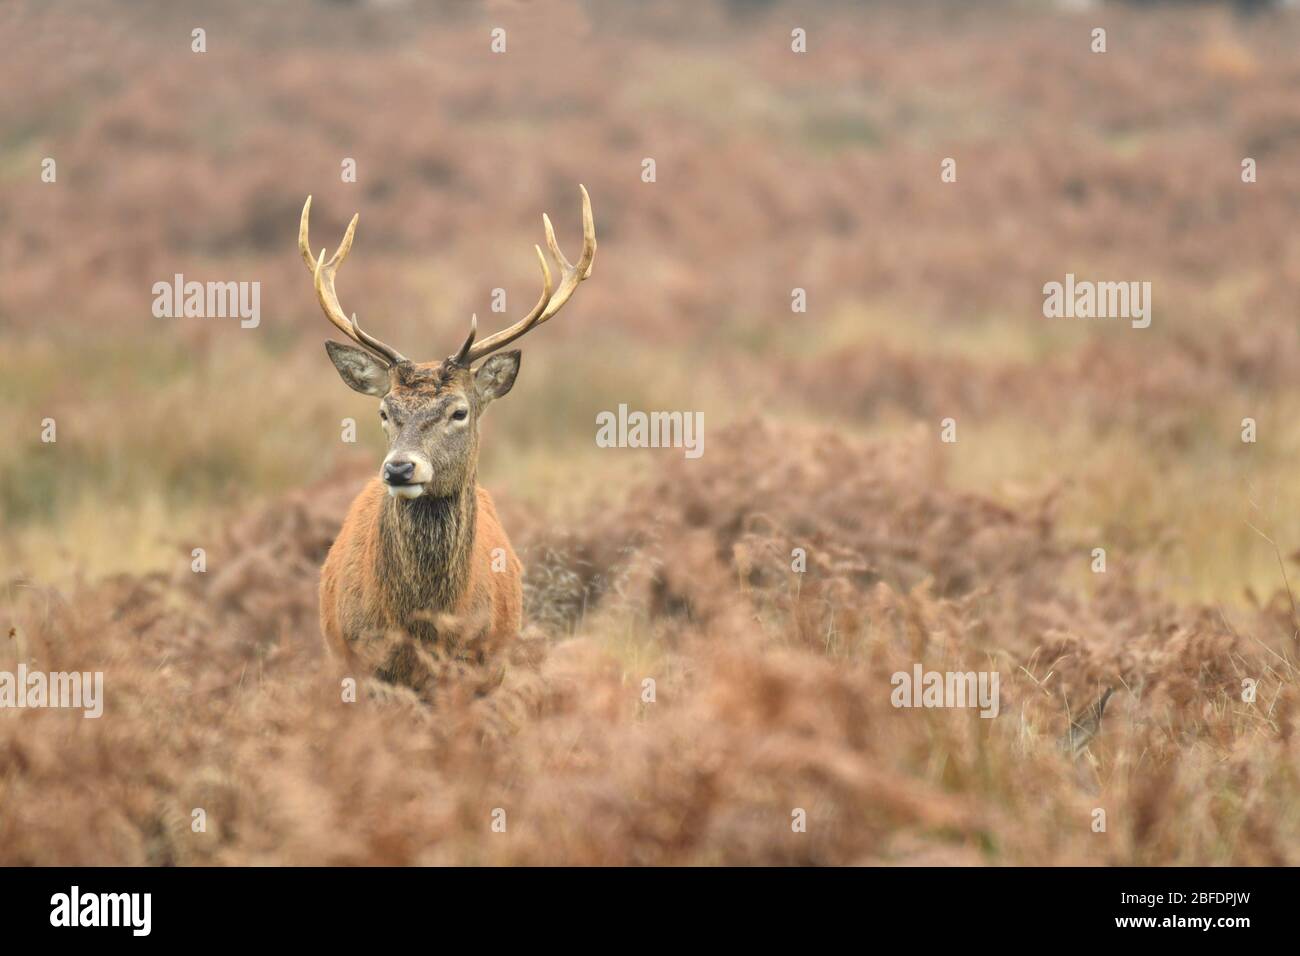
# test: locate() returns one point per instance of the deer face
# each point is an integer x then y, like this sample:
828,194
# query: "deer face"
429,413
430,410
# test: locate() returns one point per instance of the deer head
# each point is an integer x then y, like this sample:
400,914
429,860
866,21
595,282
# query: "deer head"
430,410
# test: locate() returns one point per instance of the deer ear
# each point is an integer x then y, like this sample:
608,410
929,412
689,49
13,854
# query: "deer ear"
496,376
359,369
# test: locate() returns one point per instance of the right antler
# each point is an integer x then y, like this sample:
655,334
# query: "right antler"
323,274
548,304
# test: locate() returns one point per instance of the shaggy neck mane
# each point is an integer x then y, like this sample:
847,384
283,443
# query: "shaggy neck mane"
425,547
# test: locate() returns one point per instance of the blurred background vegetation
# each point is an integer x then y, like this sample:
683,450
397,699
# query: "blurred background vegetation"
774,171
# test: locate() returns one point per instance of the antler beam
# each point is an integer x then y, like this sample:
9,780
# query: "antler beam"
551,301
323,277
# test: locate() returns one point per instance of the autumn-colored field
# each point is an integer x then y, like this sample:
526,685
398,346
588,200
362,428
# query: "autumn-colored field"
774,171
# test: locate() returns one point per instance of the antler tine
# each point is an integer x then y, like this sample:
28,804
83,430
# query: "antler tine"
459,357
335,316
323,279
550,302
304,244
466,356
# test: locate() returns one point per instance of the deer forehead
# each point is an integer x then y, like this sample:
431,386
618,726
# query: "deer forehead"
420,387
430,378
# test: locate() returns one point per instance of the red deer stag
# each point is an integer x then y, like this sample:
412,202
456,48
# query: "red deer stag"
422,538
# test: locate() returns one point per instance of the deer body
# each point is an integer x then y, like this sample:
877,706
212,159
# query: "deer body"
421,543
425,558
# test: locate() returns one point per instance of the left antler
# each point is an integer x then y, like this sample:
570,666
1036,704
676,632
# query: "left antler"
550,302
323,276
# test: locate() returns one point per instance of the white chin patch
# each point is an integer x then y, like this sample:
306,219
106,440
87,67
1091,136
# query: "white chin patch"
405,491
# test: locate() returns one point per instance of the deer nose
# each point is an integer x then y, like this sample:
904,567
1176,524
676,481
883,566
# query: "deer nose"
398,472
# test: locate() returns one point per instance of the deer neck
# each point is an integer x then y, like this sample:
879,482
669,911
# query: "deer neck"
425,548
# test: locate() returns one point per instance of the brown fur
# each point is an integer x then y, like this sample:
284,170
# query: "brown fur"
404,565
423,565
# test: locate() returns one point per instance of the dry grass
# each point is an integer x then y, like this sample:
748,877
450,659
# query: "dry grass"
772,693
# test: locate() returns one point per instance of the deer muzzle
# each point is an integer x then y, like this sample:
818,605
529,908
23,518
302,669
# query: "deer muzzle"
406,476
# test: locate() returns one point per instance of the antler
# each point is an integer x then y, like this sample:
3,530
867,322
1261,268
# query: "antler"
323,274
549,303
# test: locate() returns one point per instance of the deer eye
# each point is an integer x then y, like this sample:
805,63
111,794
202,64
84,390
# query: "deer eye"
383,415
460,414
